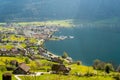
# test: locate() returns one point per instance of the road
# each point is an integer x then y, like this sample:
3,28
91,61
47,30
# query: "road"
36,74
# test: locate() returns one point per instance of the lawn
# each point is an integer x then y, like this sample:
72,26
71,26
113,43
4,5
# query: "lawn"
19,59
80,69
18,39
63,77
7,46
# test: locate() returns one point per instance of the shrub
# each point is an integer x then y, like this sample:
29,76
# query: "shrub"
9,68
7,62
108,68
65,55
27,61
79,62
3,68
99,65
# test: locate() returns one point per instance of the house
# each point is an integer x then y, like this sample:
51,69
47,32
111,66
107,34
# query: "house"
22,69
41,50
47,56
14,50
69,59
14,62
4,51
57,59
57,68
17,51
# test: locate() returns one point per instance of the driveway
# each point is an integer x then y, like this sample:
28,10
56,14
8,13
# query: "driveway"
36,74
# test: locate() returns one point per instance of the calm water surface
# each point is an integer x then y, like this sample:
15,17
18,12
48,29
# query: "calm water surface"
88,44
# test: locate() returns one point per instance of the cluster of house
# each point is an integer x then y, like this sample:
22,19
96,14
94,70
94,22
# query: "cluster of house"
12,51
22,68
49,56
39,32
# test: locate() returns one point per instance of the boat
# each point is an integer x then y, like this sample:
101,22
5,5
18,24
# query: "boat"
71,37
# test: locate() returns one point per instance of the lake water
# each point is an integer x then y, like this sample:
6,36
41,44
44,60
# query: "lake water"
89,43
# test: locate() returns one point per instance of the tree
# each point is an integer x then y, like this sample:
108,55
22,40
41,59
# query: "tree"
27,61
118,69
108,68
2,68
6,62
99,65
65,55
79,62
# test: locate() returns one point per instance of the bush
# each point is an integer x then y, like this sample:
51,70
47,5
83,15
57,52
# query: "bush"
9,68
7,62
65,55
79,62
27,61
99,65
108,68
3,68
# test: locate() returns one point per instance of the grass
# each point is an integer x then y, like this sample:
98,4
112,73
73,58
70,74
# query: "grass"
80,68
33,40
8,46
63,77
3,59
18,39
42,65
2,63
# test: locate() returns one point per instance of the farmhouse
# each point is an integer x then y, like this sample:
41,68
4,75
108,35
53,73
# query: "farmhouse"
22,69
57,68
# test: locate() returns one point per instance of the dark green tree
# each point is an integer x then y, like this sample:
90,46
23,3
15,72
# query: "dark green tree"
27,61
108,68
79,62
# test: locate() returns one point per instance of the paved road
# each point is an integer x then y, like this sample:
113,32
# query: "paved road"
36,74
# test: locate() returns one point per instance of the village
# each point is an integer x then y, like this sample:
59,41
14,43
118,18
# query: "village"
23,57
28,41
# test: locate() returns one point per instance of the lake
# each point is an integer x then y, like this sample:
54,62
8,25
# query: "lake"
89,43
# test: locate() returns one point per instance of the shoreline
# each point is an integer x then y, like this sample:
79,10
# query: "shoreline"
32,29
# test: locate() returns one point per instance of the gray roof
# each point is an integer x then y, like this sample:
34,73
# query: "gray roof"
24,67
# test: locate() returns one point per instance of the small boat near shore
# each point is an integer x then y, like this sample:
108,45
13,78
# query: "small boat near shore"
71,37
63,37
